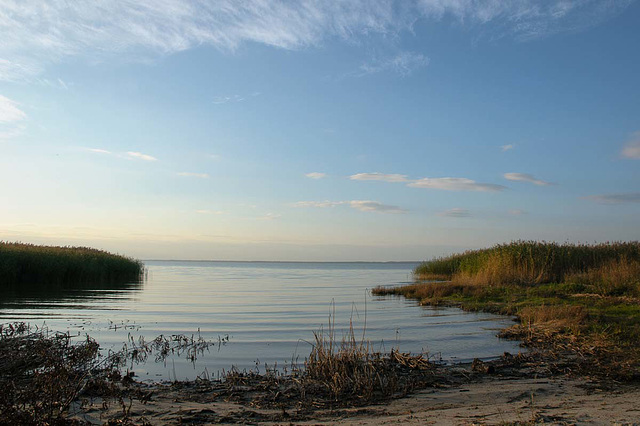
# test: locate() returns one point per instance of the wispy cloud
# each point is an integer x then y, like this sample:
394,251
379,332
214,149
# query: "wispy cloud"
270,216
97,150
140,156
37,33
9,111
624,198
362,205
403,63
517,212
456,212
632,148
319,204
374,206
316,175
17,70
445,183
219,100
455,184
189,174
214,212
508,147
380,177
525,177
11,131
10,117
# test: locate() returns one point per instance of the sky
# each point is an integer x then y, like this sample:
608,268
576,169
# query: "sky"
335,130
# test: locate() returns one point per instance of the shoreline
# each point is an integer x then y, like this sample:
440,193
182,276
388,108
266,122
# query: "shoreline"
499,392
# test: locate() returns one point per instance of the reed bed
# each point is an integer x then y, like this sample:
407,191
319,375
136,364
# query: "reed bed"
529,262
64,266
577,296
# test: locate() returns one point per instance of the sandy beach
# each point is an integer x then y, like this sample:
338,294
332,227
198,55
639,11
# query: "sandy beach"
484,399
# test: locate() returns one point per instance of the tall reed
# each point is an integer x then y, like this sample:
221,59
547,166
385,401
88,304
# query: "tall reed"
528,262
34,264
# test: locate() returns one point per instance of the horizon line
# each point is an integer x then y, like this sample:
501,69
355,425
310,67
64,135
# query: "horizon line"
283,261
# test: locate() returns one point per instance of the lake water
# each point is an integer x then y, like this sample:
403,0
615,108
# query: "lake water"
262,312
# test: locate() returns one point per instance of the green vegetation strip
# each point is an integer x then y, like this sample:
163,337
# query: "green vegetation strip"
584,299
33,264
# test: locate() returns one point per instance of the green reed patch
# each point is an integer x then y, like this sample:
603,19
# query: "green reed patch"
34,264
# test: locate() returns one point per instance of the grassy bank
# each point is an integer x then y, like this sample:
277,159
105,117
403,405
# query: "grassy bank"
32,264
580,298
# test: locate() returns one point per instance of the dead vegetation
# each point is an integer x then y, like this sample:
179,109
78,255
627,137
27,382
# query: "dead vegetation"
46,374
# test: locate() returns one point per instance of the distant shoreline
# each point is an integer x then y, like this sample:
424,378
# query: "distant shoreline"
288,261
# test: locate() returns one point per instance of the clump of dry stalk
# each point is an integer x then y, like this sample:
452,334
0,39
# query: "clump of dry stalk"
42,373
351,369
346,372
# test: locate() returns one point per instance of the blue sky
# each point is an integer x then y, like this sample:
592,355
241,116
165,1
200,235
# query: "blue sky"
329,130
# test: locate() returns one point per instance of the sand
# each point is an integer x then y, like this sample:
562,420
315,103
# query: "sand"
490,400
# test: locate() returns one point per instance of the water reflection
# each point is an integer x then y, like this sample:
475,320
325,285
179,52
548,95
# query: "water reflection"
266,312
80,296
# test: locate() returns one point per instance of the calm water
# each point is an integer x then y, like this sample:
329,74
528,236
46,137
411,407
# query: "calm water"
267,311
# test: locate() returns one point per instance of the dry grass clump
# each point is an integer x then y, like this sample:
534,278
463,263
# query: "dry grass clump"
33,264
559,317
342,373
353,370
619,277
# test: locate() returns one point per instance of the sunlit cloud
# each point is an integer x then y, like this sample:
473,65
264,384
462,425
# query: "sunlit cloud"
362,205
404,63
316,175
517,212
624,198
456,212
379,177
525,177
455,184
140,156
36,33
632,148
189,174
508,147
